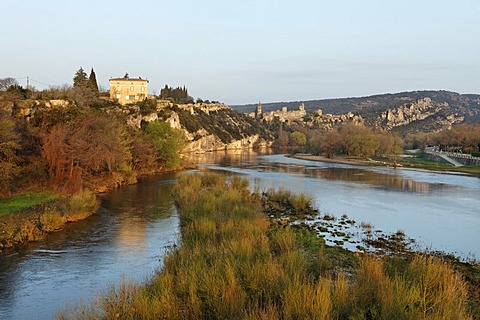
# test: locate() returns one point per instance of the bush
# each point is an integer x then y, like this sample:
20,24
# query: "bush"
168,142
52,221
80,206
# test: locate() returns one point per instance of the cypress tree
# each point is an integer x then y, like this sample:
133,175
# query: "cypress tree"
92,82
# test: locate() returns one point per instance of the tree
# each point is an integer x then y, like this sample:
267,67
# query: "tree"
298,139
331,143
6,83
93,146
85,90
80,79
168,142
17,91
92,82
282,138
9,146
178,94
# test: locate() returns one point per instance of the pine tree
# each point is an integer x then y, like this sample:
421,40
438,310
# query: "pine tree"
92,82
80,79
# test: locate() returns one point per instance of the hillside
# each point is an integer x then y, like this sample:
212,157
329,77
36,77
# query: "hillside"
442,107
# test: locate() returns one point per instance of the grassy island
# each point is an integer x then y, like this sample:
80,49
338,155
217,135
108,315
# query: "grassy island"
235,261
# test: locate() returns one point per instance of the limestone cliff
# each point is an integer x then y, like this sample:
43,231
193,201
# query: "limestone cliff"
404,112
216,127
439,115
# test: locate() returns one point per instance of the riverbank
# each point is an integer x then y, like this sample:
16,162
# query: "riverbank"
31,215
351,161
48,214
403,163
239,259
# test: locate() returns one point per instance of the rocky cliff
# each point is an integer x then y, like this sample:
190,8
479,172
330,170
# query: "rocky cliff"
207,126
425,111
216,127
404,112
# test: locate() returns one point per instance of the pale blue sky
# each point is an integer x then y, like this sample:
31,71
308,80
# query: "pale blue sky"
248,51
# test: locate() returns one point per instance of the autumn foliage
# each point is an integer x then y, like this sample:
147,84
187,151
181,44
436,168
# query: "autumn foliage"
73,149
355,141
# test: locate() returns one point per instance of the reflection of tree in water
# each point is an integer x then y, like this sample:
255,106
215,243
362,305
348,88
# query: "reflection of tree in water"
386,181
138,204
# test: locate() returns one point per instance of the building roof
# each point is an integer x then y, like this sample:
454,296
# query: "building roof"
127,79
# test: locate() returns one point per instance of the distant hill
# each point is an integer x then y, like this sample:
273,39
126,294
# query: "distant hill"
467,105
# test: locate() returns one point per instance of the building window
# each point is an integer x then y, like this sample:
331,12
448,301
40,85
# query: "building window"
131,88
127,97
118,95
143,89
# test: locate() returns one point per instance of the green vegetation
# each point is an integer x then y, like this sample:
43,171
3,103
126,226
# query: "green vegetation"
167,140
25,200
179,94
73,148
235,263
420,162
85,89
48,213
355,141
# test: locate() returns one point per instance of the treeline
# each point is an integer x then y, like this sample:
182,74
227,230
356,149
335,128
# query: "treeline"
462,138
84,92
178,94
360,141
349,139
72,149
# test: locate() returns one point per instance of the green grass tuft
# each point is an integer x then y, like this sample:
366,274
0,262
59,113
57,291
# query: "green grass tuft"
25,200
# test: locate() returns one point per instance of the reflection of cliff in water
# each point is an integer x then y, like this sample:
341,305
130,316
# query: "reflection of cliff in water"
378,179
227,157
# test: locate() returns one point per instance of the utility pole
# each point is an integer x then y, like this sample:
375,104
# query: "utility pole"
28,82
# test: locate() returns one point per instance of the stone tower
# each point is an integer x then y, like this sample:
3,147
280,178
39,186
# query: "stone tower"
258,111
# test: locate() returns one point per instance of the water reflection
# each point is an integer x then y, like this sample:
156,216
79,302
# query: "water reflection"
127,237
381,180
250,160
439,210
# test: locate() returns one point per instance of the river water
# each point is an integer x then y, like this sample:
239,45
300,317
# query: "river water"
136,225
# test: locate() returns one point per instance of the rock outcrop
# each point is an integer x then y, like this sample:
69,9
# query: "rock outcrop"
421,111
405,111
217,127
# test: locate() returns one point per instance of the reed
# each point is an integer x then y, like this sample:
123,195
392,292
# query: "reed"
234,263
80,206
52,220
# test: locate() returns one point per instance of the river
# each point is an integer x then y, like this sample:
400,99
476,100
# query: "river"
136,225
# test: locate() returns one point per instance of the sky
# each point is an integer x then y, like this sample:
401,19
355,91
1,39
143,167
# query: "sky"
247,51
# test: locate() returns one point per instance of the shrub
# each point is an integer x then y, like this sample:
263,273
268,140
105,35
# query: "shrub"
80,206
52,221
168,142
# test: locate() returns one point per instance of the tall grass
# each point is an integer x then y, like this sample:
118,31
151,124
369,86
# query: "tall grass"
233,263
80,206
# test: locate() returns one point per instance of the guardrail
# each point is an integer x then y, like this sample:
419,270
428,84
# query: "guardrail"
463,158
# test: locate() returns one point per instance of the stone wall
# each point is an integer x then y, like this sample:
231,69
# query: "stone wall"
464,159
282,115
